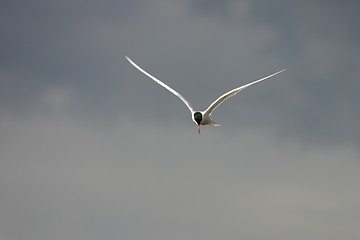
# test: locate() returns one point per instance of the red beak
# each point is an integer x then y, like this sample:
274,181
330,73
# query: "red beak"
199,128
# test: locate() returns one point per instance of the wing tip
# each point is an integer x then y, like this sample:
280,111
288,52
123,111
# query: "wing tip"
132,63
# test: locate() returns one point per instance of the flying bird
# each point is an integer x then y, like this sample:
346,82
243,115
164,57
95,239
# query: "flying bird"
202,117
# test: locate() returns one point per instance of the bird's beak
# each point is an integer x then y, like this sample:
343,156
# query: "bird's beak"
199,128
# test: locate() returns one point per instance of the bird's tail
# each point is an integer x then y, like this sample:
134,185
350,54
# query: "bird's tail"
214,124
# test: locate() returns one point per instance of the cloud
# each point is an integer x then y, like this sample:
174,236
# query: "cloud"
61,178
202,49
92,149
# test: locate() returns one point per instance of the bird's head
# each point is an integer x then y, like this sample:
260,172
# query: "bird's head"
197,118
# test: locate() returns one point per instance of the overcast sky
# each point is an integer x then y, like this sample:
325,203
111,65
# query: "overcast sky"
90,148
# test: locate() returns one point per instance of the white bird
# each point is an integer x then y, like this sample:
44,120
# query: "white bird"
202,117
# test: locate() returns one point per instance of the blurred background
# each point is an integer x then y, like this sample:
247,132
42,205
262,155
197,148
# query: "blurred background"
90,148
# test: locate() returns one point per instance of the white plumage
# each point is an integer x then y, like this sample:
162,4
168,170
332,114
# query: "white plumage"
202,117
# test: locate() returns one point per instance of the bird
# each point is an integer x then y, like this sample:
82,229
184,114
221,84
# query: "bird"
202,117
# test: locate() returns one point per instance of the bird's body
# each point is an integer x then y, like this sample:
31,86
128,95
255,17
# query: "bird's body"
202,117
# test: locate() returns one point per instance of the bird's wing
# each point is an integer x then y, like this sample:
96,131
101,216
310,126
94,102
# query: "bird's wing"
233,92
162,84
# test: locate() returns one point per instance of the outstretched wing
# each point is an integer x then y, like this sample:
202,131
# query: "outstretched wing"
162,84
233,92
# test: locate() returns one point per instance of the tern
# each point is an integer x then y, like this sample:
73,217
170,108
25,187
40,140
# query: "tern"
202,117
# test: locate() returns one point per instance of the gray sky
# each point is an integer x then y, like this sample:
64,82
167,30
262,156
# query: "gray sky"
92,149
